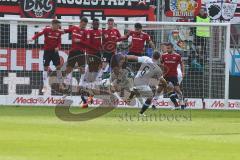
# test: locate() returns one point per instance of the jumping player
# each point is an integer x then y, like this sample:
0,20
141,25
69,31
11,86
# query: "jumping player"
110,38
139,38
52,44
78,48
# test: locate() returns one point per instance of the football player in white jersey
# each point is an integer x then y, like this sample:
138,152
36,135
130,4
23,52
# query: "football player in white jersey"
91,84
119,80
121,76
149,74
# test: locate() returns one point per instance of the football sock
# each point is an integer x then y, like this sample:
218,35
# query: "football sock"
145,106
59,76
173,99
45,78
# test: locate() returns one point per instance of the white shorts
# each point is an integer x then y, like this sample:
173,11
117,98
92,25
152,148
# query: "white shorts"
144,91
180,78
126,84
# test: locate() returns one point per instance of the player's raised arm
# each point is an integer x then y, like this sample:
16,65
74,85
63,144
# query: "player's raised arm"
72,29
140,59
125,37
132,58
38,34
68,30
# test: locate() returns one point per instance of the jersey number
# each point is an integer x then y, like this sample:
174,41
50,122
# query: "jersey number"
145,69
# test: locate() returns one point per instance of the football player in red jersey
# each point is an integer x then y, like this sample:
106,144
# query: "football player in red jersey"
52,44
78,48
94,52
110,38
94,39
138,40
171,60
79,39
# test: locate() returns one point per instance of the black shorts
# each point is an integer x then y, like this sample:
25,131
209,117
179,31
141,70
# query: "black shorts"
107,56
173,80
51,56
94,62
76,57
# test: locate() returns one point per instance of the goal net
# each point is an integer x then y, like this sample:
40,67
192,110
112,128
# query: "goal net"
204,53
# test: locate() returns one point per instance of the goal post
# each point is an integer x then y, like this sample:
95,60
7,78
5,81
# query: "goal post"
206,60
227,64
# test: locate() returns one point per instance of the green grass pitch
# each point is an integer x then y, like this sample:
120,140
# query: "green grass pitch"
35,133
